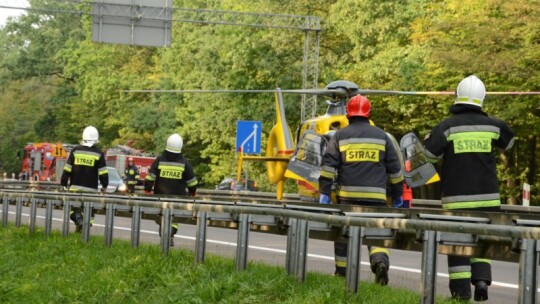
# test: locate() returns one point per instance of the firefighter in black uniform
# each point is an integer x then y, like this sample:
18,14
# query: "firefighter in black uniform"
84,167
171,174
131,174
466,143
362,161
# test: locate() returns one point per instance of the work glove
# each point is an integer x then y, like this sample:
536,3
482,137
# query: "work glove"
193,193
397,202
147,192
324,199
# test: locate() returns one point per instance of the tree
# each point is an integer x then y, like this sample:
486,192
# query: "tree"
498,41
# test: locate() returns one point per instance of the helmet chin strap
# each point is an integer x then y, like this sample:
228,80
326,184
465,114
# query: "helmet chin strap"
89,143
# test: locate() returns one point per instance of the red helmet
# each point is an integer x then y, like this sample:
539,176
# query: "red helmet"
358,106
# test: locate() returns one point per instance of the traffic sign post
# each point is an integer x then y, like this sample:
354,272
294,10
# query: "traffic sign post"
248,136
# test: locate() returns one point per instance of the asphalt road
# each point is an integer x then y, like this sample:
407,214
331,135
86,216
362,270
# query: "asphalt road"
270,249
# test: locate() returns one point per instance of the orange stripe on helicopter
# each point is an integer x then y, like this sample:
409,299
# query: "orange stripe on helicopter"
285,152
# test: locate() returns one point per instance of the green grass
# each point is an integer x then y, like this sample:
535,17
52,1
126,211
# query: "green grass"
36,268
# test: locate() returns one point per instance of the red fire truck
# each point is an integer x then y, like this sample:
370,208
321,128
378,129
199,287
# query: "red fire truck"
117,157
43,161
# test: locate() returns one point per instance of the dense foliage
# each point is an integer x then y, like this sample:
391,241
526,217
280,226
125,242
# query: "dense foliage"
54,80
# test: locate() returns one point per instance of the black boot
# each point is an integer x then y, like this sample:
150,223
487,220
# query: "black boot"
381,274
77,218
481,291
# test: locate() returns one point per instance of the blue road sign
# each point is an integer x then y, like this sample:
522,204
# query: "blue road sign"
248,136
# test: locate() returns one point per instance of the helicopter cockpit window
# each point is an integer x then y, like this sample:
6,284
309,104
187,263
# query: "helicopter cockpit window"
413,152
335,108
311,148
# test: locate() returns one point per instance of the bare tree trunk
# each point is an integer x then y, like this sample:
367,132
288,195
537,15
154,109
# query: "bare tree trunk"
508,162
533,152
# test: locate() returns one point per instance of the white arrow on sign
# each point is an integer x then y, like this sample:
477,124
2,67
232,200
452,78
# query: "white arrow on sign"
252,135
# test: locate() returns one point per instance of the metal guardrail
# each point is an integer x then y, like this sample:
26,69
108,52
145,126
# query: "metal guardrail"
398,228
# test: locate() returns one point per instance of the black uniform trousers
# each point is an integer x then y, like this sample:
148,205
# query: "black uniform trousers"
341,245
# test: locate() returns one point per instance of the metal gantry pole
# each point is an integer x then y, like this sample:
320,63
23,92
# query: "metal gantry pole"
136,226
353,258
200,237
429,267
242,242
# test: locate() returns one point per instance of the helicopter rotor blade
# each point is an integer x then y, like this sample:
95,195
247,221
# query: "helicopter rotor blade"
323,92
198,91
487,93
336,92
512,93
380,92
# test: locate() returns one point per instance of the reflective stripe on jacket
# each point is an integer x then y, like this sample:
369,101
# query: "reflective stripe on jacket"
362,160
466,142
84,166
171,173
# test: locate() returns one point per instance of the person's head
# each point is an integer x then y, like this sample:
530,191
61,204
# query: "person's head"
130,160
90,136
358,106
174,143
471,90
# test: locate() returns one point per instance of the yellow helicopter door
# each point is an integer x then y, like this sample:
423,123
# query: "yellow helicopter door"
305,165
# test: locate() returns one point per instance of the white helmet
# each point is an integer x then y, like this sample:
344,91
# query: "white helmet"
90,136
471,90
174,143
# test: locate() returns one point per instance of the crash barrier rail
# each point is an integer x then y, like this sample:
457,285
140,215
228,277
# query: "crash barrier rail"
460,234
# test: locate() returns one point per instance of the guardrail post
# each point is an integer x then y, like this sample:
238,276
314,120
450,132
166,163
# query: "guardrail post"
65,221
242,242
18,211
200,237
356,235
33,213
429,267
136,226
48,216
5,210
109,223
301,247
297,238
290,263
353,258
165,230
528,265
87,217
429,251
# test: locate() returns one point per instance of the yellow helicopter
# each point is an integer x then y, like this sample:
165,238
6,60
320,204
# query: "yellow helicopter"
302,161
